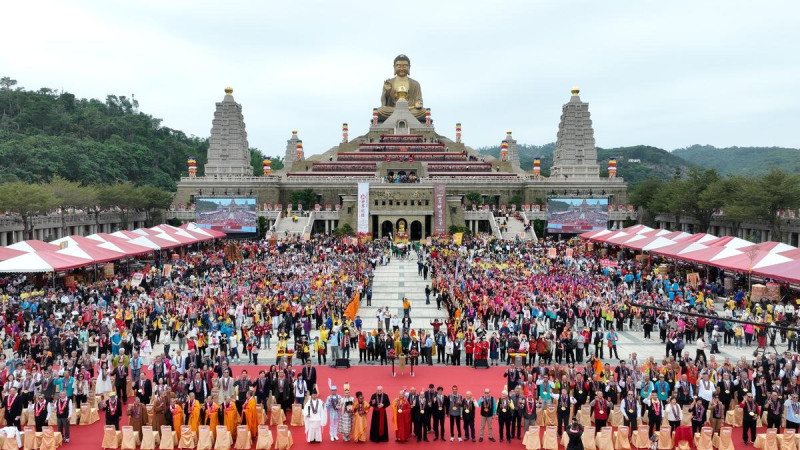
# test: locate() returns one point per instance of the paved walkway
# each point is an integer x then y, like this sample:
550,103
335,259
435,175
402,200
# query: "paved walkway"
394,281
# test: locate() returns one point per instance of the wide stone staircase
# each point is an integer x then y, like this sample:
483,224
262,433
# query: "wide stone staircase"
391,283
516,229
287,226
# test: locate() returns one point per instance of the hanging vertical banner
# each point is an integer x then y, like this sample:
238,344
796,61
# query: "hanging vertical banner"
439,203
363,208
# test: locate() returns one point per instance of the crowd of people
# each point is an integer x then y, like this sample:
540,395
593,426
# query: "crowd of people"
551,311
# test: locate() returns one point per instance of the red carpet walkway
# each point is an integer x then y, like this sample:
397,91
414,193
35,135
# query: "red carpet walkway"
365,379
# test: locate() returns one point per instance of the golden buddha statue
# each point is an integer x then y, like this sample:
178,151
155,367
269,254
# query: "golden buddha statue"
401,86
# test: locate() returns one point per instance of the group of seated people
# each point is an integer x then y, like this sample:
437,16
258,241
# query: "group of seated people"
402,178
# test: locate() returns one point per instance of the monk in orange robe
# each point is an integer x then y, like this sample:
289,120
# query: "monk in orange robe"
177,417
401,417
360,411
230,416
250,414
194,410
211,415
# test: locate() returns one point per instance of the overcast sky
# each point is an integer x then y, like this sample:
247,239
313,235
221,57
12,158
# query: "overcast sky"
669,74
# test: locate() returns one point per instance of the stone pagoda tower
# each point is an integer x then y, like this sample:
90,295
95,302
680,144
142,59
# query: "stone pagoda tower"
228,149
290,157
513,151
575,156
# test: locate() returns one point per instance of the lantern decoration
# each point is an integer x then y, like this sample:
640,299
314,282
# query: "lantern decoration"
504,151
345,130
427,116
267,164
537,167
192,166
612,168
299,147
458,133
374,116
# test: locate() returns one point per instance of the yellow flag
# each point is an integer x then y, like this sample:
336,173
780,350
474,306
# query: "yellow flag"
457,238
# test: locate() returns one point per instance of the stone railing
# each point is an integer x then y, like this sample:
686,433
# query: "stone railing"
248,179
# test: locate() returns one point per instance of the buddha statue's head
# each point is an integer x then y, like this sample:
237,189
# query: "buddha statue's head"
402,66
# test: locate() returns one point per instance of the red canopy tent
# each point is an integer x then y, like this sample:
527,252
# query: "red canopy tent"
45,261
8,253
126,247
787,271
756,256
33,245
92,252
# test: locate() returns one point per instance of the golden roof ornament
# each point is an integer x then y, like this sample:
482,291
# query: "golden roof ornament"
401,92
229,90
575,90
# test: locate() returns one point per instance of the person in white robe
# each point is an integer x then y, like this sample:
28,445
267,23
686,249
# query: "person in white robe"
315,418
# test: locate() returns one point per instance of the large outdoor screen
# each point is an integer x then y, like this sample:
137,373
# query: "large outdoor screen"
576,215
229,215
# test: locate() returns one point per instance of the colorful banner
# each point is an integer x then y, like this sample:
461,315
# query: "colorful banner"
439,204
137,279
363,208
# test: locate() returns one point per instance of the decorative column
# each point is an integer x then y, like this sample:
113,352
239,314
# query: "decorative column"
374,116
427,116
267,166
537,167
458,133
504,151
299,156
192,166
345,130
612,167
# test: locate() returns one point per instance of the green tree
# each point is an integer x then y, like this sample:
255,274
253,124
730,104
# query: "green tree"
306,197
473,198
124,196
70,194
344,230
515,199
153,200
27,200
769,194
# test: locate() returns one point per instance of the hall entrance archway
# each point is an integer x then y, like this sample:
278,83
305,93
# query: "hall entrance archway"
387,228
416,231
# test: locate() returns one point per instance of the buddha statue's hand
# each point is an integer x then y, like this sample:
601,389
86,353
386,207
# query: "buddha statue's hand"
387,85
418,104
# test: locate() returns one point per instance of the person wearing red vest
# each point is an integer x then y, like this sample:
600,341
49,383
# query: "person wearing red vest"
601,409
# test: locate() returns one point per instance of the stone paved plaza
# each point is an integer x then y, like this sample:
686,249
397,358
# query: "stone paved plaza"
400,278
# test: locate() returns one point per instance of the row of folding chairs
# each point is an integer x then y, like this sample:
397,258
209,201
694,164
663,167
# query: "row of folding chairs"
607,439
30,439
204,439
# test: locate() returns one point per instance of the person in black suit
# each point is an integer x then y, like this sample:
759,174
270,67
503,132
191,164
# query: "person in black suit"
113,409
263,388
242,386
284,393
144,388
40,412
198,387
13,405
121,382
310,376
440,405
417,405
427,415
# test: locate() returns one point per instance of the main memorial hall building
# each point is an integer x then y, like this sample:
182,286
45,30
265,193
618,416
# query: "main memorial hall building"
401,176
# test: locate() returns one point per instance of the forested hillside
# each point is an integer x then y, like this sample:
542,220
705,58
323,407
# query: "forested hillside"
634,164
45,133
742,160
